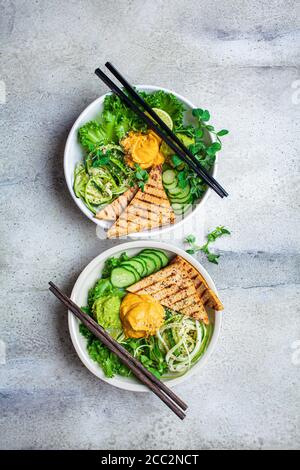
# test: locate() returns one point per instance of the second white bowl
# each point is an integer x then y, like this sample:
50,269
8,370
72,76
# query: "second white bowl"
79,295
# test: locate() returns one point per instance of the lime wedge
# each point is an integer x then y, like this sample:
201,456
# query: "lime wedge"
164,116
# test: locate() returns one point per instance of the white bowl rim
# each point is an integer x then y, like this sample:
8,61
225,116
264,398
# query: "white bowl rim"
73,322
80,203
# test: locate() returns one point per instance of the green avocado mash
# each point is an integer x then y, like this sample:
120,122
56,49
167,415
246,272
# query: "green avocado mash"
167,151
104,302
107,311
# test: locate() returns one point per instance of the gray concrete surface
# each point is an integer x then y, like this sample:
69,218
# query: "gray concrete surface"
240,60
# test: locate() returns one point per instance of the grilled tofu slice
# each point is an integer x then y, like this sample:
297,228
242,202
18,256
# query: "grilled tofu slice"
115,209
148,209
207,295
173,288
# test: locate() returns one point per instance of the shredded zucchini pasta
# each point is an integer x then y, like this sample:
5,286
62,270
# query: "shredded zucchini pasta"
183,340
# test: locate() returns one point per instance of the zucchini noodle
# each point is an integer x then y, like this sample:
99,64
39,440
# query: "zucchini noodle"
183,340
98,182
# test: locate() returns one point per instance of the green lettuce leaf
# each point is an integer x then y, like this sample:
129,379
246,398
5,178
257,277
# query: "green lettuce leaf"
169,103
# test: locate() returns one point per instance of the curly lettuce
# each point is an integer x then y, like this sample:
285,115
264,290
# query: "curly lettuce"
167,102
117,119
125,119
96,133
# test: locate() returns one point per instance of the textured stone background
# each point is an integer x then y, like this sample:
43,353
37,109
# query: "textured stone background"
237,58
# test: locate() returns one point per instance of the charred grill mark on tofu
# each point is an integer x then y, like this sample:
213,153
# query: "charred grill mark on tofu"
207,295
148,209
114,210
172,287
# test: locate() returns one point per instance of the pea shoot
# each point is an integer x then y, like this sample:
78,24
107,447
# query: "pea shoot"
211,238
141,176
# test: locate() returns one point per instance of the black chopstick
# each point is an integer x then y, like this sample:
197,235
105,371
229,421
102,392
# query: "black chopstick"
150,123
152,113
146,377
121,352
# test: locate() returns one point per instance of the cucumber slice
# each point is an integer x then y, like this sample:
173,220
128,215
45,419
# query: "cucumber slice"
171,186
155,258
181,197
163,257
184,200
174,191
182,193
133,271
142,262
151,266
130,267
180,209
136,264
168,176
122,277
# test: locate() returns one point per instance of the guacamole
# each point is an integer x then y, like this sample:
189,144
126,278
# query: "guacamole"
186,140
106,311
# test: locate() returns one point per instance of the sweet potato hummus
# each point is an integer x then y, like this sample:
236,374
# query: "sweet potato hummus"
142,149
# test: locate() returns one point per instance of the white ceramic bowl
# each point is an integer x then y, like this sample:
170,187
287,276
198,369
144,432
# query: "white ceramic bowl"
87,279
74,154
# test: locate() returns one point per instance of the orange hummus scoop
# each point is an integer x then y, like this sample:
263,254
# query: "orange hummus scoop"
141,315
143,149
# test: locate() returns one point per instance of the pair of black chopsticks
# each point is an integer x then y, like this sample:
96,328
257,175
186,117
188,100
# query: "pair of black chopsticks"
166,134
144,375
